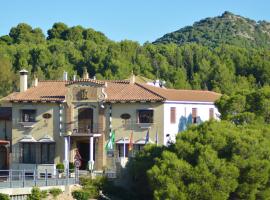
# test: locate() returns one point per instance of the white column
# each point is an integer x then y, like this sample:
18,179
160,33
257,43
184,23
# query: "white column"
91,154
124,148
66,162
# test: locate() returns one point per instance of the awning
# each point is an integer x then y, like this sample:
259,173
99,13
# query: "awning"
122,141
28,138
4,142
142,141
46,139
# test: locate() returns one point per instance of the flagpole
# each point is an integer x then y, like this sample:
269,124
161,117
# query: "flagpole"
124,148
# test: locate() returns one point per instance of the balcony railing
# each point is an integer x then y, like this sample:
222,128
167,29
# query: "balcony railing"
95,128
29,178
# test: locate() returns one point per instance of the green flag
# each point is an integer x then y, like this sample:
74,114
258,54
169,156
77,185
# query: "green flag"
110,144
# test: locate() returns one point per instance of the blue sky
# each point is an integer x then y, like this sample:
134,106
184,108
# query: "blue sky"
139,20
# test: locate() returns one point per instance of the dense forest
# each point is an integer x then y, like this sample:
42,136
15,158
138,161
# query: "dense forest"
225,29
225,68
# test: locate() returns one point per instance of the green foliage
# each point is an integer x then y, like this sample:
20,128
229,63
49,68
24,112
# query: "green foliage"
138,167
226,29
91,187
4,197
55,192
80,195
246,107
215,160
60,167
223,68
71,167
44,194
36,194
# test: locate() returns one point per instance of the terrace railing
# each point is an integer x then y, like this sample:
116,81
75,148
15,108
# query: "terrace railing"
31,178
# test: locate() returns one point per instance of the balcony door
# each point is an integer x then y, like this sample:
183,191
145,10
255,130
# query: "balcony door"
85,120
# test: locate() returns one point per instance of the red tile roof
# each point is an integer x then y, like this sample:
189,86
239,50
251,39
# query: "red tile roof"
118,90
129,92
45,91
184,95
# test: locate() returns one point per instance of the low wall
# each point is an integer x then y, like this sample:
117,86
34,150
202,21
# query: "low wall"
27,190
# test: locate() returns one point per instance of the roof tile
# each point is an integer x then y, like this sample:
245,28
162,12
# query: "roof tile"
119,90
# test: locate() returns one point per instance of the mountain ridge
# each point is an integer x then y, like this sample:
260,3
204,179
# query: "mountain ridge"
228,28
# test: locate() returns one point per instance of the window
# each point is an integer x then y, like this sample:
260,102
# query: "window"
47,153
194,115
145,116
28,115
173,115
121,150
28,153
211,113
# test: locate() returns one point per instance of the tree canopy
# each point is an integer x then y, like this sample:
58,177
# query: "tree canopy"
215,160
224,68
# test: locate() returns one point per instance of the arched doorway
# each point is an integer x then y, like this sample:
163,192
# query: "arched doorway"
85,125
85,120
3,157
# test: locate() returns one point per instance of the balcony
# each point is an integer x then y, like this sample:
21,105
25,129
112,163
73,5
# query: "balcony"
28,124
93,129
134,124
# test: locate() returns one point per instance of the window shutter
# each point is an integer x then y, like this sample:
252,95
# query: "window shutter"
173,115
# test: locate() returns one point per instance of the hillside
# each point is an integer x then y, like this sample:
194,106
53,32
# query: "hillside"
203,65
225,29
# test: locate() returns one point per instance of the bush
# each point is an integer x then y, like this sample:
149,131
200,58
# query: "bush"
71,167
4,197
92,186
60,167
35,194
80,195
55,192
44,194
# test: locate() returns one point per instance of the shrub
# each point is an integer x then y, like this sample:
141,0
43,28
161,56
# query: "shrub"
55,192
35,194
80,195
60,167
93,186
44,194
4,197
71,167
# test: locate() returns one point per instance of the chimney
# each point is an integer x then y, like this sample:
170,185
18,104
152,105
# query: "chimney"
35,82
85,73
74,77
132,78
65,76
23,80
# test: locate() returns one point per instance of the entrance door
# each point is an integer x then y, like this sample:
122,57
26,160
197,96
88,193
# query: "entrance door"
3,157
85,120
84,150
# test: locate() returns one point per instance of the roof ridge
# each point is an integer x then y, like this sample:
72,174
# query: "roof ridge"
142,86
174,89
117,81
52,81
101,82
190,90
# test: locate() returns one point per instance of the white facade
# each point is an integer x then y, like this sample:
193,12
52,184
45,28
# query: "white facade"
183,116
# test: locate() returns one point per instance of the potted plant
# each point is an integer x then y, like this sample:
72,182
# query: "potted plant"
72,169
60,169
